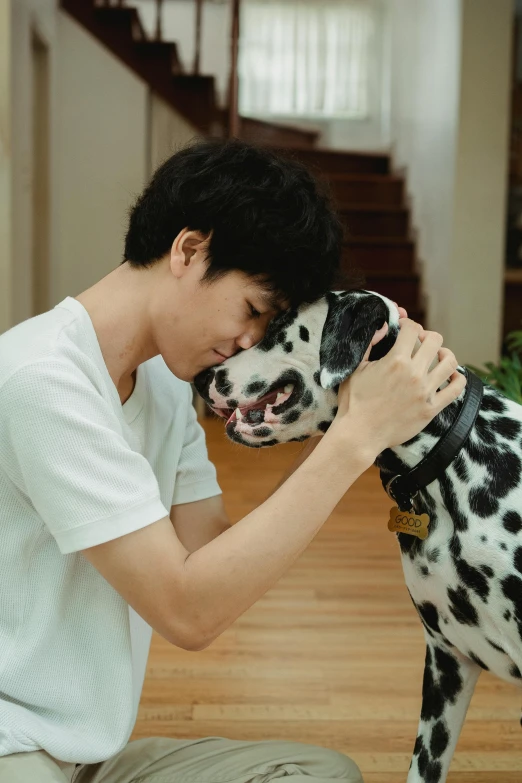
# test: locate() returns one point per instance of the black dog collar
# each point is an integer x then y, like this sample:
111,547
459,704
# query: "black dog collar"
402,488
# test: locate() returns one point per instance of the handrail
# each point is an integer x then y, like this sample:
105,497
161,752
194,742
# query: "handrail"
197,57
159,28
233,111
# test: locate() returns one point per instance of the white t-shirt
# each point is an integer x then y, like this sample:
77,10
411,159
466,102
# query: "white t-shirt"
78,468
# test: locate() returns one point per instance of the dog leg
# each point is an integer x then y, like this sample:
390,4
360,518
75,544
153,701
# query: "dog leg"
449,681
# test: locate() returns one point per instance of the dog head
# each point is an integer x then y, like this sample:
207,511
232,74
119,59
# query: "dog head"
285,387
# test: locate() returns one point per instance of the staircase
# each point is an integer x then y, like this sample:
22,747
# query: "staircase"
371,201
369,196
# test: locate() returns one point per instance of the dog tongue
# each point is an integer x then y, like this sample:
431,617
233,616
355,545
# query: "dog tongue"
261,410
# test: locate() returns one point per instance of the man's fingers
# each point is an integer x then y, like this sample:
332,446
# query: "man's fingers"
444,369
457,384
409,332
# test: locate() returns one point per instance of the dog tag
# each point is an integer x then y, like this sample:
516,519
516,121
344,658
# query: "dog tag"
409,522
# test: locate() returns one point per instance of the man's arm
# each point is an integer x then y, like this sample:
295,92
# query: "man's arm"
199,522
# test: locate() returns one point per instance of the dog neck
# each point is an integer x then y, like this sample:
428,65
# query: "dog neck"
411,452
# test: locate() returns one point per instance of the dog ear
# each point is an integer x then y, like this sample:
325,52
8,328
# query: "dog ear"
352,320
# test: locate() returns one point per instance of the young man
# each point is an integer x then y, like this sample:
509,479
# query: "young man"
112,518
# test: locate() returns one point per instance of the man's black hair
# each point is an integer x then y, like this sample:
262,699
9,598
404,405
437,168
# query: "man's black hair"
265,213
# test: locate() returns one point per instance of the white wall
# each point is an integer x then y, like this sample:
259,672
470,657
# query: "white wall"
106,134
179,25
27,15
5,165
101,157
449,126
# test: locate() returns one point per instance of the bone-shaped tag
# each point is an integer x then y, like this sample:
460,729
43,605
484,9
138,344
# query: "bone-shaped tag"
408,522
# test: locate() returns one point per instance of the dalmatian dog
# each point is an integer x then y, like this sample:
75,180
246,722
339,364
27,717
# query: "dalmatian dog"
465,578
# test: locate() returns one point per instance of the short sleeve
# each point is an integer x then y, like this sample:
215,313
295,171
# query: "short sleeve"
62,444
196,477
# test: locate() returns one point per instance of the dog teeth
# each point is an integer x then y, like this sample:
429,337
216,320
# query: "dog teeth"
279,397
289,388
239,415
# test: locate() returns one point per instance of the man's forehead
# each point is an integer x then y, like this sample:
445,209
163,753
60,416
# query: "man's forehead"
273,300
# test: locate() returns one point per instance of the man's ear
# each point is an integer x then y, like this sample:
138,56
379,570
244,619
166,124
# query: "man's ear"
352,320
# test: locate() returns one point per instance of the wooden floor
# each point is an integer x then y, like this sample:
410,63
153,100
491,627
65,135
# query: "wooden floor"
332,655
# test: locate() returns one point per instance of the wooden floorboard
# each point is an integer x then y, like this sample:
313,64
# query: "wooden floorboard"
331,655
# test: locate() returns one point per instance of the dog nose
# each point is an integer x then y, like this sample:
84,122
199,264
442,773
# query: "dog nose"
203,380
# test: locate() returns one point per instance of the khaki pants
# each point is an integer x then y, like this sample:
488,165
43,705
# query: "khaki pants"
206,760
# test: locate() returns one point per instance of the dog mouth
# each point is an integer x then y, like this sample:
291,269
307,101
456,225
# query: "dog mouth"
267,410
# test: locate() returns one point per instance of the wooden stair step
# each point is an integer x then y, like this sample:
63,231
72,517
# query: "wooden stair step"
367,188
376,254
160,55
274,134
125,21
403,289
325,162
378,220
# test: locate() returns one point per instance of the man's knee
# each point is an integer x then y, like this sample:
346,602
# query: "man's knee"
323,763
341,767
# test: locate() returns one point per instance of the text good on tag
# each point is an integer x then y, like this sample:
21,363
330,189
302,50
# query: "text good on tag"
409,522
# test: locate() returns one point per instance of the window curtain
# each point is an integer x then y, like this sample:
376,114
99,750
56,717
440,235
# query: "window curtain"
306,58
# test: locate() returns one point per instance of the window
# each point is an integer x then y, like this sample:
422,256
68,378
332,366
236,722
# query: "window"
308,59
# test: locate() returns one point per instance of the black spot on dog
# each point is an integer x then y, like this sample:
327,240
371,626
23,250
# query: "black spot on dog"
484,431
505,475
255,388
483,539
480,453
512,589
419,745
223,385
503,545
291,416
472,578
515,671
424,570
300,439
317,375
281,338
432,698
450,679
422,762
433,772
461,470
492,403
334,410
439,739
482,503
289,347
517,559
307,399
261,432
272,442
507,615
429,615
478,661
512,522
449,498
495,646
461,607
508,428
304,334
488,571
324,425
433,555
232,404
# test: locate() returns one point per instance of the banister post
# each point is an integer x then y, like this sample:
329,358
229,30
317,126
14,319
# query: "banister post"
233,118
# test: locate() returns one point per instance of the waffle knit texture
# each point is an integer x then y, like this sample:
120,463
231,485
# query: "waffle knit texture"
78,468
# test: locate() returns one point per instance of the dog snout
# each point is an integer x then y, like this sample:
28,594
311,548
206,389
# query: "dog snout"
203,381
